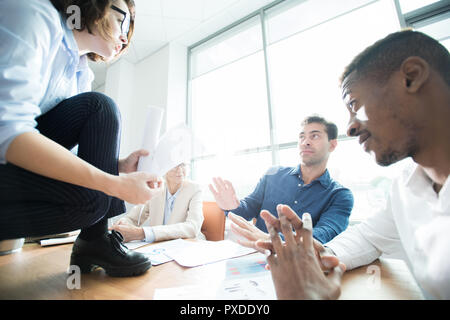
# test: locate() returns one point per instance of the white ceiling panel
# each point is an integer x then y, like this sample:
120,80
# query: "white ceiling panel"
212,7
242,8
205,29
187,9
149,28
149,7
159,22
177,27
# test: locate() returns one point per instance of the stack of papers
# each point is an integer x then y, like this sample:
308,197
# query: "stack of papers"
55,239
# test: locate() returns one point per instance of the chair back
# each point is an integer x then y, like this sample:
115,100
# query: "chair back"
213,226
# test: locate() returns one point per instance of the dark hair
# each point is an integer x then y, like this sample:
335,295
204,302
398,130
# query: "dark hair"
330,128
94,12
385,56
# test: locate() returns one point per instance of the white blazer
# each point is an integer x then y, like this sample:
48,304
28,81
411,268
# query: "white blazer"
186,218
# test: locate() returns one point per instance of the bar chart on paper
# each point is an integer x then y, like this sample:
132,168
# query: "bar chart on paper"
245,266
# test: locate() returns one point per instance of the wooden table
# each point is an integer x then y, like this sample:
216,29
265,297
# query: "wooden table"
41,273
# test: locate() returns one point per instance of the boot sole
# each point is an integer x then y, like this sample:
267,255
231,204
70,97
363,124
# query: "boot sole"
88,264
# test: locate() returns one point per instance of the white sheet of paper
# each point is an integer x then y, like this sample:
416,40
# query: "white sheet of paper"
247,278
252,288
132,245
242,278
196,253
173,148
150,139
53,241
192,292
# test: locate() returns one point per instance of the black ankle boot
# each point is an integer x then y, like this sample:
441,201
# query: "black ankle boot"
111,254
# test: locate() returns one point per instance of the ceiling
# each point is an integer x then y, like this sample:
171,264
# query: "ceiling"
159,22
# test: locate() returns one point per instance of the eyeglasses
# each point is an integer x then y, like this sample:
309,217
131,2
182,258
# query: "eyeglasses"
125,24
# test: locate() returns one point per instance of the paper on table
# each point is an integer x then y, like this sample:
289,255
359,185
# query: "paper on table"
245,279
191,292
156,252
53,241
196,253
135,244
251,288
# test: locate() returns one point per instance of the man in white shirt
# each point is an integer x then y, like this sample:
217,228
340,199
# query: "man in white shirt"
397,92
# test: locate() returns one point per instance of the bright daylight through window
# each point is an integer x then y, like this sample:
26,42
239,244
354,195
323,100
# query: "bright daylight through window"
252,84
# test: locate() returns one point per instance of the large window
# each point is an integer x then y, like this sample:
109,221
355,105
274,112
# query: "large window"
430,17
306,63
252,83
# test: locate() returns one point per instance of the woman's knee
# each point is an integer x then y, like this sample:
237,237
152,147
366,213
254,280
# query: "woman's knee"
104,106
94,207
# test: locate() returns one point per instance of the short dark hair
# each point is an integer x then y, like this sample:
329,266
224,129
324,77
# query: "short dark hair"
95,12
385,56
330,128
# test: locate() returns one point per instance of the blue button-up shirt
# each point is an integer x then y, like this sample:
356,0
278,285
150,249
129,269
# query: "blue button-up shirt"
328,202
39,66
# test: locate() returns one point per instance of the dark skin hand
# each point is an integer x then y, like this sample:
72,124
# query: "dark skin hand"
298,265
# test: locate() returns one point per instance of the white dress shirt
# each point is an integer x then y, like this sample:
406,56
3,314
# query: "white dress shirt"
168,207
39,66
415,226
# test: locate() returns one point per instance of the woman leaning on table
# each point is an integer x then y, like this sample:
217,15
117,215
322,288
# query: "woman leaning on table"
46,109
173,212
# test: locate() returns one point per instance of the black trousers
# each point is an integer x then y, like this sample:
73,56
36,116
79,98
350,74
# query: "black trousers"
32,205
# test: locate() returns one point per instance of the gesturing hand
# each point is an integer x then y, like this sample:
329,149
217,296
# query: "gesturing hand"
327,260
225,195
295,267
248,231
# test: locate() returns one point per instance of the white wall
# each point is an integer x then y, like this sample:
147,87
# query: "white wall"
151,87
119,85
100,89
158,80
177,85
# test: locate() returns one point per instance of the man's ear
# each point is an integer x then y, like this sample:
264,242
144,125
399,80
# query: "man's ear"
415,72
333,144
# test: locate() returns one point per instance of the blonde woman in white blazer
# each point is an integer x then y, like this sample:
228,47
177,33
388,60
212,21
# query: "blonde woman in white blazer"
154,221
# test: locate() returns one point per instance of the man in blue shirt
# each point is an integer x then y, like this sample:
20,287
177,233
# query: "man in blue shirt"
307,187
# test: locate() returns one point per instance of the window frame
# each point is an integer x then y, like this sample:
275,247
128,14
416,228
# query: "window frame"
405,20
